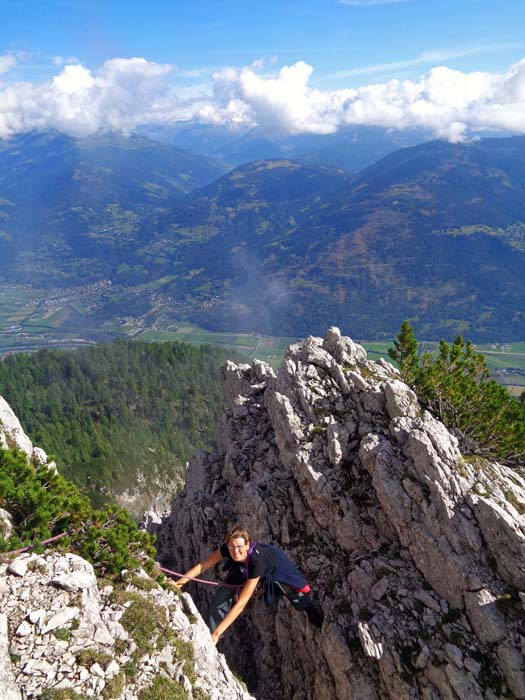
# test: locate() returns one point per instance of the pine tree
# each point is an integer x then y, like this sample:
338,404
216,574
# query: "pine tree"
456,385
405,353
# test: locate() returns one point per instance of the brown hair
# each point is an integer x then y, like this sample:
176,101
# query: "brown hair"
237,531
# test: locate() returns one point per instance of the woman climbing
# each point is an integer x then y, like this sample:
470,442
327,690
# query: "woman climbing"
246,563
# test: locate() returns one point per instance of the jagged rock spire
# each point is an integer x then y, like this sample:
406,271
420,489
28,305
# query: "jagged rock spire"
417,552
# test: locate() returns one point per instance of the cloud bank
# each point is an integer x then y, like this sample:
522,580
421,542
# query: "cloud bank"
125,93
119,96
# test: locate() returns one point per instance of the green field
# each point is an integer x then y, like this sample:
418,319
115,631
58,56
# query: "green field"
267,348
26,324
506,362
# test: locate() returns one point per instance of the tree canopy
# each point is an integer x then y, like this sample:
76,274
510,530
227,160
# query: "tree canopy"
456,385
111,412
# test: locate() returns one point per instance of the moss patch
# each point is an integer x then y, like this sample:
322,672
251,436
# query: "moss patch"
115,687
66,694
62,634
144,621
143,584
163,689
513,500
89,657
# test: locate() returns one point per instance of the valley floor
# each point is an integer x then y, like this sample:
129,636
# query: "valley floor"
31,320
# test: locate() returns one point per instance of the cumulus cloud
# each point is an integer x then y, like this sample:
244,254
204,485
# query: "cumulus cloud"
119,96
448,102
124,93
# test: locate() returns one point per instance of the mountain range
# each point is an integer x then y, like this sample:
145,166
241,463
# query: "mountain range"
74,198
434,233
351,148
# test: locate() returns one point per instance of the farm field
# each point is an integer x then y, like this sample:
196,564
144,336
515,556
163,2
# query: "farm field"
505,361
27,325
267,348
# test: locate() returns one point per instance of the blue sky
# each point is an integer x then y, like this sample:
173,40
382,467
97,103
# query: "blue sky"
346,44
332,36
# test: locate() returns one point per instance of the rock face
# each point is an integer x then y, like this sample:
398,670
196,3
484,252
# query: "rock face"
416,552
151,494
59,630
62,630
12,434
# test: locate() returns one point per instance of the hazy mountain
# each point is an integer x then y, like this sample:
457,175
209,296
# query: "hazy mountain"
350,148
434,233
86,197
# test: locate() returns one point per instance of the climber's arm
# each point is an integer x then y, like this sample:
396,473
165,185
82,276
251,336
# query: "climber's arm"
200,568
244,596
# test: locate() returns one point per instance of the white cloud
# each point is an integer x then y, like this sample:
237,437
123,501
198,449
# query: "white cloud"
448,102
7,62
124,93
283,102
61,61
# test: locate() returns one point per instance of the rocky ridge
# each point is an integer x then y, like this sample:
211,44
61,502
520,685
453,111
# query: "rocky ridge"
61,629
416,551
12,435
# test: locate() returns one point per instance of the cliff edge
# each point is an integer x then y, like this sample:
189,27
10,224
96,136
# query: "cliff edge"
66,634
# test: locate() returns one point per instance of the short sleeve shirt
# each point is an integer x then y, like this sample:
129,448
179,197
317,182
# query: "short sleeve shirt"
262,560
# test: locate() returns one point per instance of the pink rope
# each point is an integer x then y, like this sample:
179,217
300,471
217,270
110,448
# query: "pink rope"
198,580
166,571
32,546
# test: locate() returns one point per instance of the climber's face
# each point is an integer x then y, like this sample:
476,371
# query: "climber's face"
238,549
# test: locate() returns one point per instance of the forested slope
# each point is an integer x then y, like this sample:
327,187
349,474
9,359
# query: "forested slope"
116,413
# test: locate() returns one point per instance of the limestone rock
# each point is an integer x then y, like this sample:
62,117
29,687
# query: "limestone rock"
6,524
484,616
334,459
8,686
18,567
38,611
372,649
400,400
12,435
11,431
513,663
